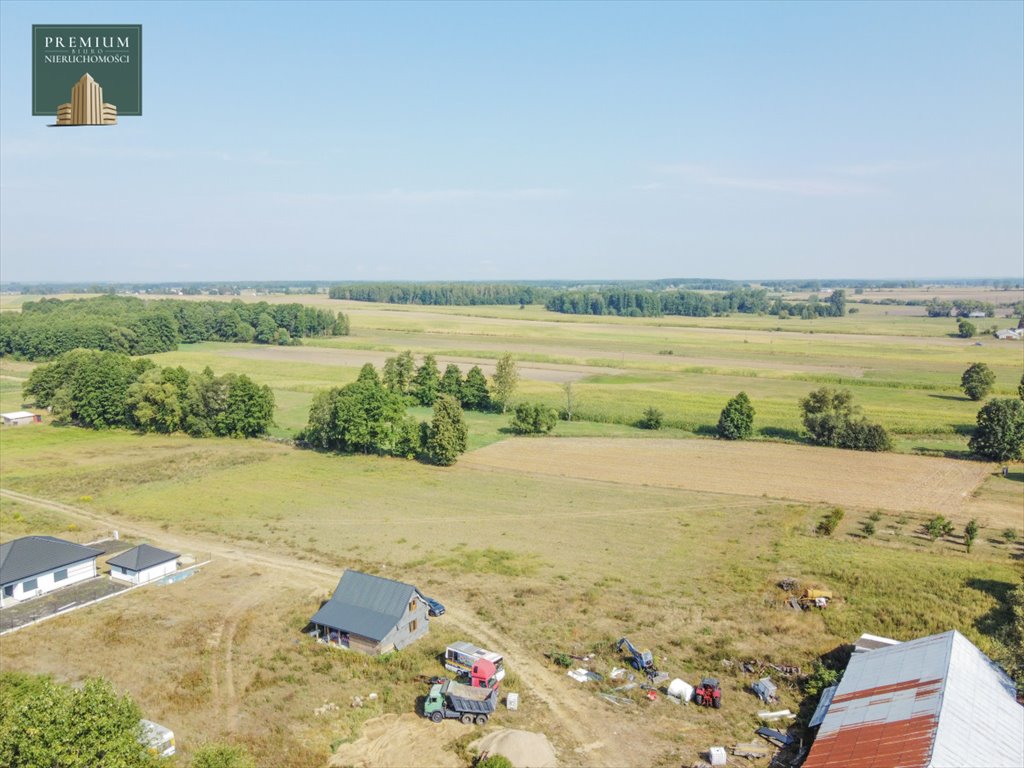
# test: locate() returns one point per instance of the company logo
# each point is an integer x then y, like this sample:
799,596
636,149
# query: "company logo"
98,66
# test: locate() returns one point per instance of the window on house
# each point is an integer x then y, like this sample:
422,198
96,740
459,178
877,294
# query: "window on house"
9,590
412,605
60,575
29,585
412,625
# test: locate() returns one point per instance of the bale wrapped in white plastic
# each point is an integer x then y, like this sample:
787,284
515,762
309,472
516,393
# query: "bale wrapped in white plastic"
680,689
717,756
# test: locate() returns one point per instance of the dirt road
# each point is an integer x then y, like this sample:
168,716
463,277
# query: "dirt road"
578,718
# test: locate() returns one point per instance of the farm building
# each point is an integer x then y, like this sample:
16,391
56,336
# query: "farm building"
371,614
935,702
16,418
142,564
34,565
1009,333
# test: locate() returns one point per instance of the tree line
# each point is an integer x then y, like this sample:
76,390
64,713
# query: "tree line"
442,294
637,303
110,389
47,328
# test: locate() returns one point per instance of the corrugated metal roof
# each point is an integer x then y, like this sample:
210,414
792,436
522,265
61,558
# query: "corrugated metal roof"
34,555
141,557
366,605
913,705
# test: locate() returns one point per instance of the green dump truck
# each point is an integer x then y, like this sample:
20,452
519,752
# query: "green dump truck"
451,699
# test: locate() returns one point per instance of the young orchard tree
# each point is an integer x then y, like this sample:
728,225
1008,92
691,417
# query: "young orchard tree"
977,381
970,534
737,419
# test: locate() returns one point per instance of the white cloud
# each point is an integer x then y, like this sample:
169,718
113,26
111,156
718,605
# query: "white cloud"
823,186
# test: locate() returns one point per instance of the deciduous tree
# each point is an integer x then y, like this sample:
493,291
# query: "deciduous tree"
736,421
426,381
475,395
999,434
447,433
977,381
506,379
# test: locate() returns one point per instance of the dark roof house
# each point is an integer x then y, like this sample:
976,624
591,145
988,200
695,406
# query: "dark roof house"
142,557
34,555
372,614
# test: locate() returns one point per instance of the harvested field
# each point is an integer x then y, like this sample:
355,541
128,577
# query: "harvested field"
355,358
795,472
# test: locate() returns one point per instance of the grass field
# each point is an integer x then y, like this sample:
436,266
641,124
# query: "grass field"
537,544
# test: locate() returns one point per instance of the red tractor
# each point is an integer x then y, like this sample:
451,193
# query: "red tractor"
708,693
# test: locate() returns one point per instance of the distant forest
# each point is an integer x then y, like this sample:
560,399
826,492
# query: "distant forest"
443,294
47,328
693,303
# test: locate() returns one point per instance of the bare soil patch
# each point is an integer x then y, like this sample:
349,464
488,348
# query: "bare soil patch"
354,358
799,473
398,741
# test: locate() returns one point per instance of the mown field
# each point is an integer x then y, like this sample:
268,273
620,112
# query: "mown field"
531,558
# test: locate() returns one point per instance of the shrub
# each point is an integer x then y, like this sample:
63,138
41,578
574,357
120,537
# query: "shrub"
965,330
652,419
821,677
533,419
1009,535
495,761
864,436
222,756
937,527
736,421
868,527
828,524
970,534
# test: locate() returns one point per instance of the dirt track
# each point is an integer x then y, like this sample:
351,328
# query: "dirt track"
573,713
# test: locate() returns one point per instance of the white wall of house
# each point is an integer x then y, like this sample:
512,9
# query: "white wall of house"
143,576
49,581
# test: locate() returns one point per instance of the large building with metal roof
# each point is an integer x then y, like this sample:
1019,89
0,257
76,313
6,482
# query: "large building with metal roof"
372,614
34,565
935,702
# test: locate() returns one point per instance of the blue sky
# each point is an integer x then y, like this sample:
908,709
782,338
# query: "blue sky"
527,141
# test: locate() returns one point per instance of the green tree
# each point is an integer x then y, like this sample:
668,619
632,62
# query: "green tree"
828,524
533,419
965,329
398,373
447,433
368,375
154,404
862,435
249,409
475,395
826,413
1020,387
977,381
736,421
837,303
506,379
222,756
45,725
652,419
999,434
266,329
361,417
426,381
451,382
970,534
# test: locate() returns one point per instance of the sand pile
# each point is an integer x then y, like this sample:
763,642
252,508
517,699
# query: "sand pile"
523,748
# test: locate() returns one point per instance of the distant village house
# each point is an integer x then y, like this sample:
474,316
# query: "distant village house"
371,614
16,418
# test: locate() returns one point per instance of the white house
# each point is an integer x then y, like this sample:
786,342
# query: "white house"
142,564
34,565
1010,333
14,418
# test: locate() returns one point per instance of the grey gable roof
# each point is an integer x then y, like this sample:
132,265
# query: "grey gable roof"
366,605
34,555
142,557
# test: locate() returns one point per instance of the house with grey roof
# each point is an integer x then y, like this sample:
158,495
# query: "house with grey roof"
142,564
34,565
371,614
934,702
